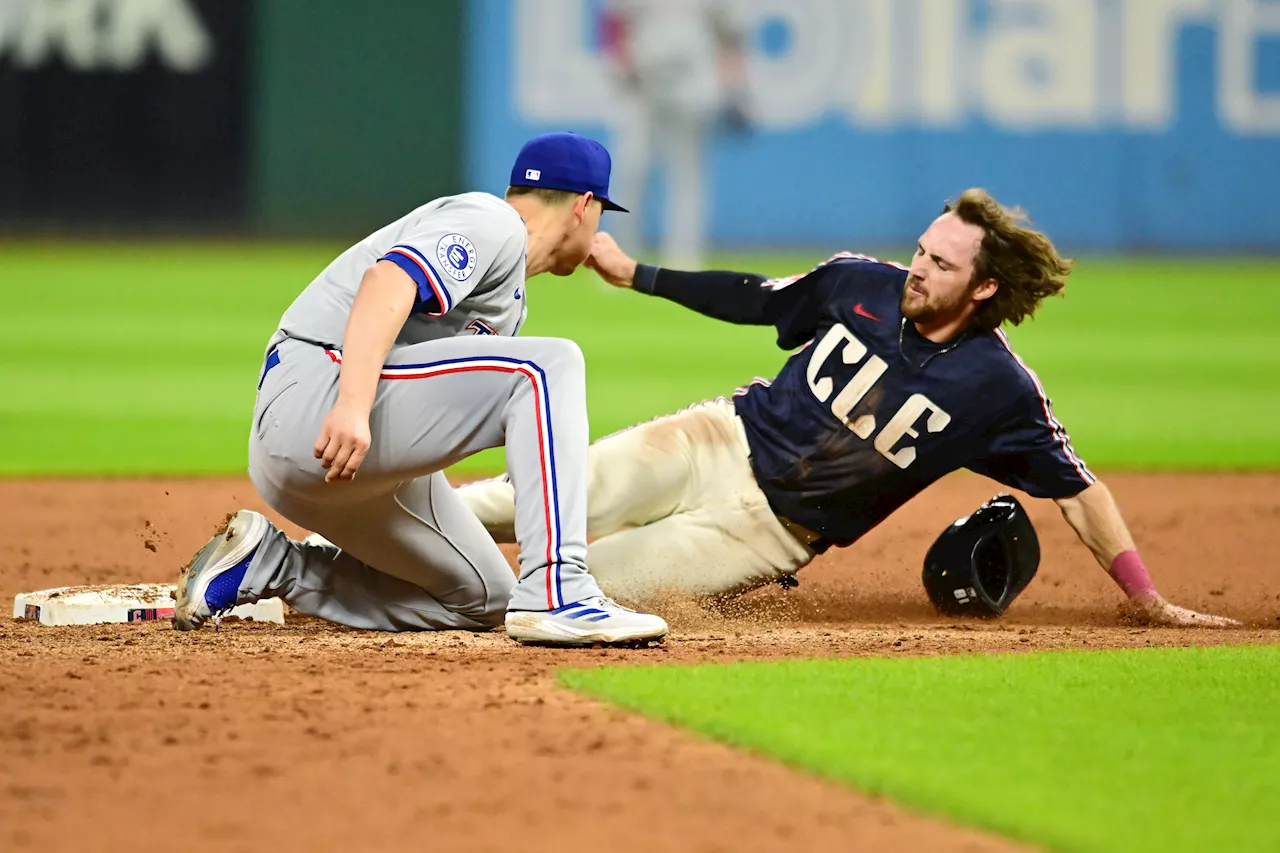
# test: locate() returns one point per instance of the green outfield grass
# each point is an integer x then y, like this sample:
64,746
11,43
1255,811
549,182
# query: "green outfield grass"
1158,750
128,359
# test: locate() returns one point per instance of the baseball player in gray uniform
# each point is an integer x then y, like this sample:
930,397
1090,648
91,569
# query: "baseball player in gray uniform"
397,361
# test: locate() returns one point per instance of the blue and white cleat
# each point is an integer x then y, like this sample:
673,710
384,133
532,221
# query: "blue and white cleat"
584,623
210,584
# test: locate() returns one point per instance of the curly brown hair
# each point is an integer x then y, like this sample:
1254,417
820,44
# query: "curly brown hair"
1024,262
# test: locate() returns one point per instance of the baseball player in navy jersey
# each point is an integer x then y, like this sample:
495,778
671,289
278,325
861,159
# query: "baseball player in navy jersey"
900,376
397,361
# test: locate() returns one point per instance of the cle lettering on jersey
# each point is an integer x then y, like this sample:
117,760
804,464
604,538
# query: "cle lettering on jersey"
867,413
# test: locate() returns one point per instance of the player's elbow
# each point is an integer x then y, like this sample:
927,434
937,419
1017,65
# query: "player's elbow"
1089,509
385,271
389,284
1091,492
1074,508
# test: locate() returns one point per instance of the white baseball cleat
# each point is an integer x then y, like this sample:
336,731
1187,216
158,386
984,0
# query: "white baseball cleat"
584,623
210,583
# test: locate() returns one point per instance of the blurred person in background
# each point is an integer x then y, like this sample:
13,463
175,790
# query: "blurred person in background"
12,13
680,65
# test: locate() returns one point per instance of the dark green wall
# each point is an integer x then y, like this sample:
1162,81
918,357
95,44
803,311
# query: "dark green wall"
357,110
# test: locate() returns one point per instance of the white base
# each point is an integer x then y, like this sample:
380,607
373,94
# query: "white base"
102,603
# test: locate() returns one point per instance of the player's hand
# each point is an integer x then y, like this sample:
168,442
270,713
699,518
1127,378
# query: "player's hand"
614,265
1157,611
344,440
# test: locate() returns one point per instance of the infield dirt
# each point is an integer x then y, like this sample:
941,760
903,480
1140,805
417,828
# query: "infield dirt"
314,737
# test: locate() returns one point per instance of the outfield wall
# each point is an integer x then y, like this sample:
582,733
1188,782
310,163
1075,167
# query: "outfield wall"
357,112
115,112
1119,123
1122,124
279,117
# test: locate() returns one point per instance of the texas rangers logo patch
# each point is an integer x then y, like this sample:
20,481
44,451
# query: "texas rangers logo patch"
457,256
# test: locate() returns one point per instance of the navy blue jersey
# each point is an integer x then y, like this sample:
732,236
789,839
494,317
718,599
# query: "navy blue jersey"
868,412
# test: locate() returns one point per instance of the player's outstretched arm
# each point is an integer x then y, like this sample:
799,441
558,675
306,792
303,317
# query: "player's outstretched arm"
381,306
1096,519
735,297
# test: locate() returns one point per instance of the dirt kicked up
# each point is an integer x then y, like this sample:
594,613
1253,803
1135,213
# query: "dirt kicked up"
314,737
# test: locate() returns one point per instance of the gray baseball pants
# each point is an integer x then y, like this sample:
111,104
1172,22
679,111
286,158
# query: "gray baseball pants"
408,554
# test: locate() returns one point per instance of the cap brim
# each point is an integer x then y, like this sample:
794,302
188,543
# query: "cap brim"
609,205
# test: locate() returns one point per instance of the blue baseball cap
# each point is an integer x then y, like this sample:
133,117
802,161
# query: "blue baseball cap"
565,161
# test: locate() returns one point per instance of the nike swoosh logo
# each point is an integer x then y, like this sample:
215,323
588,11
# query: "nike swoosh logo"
863,312
517,293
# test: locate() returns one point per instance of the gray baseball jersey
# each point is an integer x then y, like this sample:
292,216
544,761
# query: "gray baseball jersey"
465,253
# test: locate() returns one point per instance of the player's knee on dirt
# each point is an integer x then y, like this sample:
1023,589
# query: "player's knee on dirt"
489,607
490,611
490,616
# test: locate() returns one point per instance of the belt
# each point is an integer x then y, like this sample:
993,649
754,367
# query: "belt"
273,358
802,534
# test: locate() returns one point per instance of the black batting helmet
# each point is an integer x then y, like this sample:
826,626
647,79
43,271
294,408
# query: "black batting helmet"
980,563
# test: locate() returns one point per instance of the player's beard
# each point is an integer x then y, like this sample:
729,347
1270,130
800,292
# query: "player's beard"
928,308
